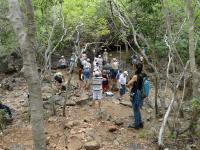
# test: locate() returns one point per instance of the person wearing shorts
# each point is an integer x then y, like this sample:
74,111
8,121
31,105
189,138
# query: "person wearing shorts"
114,71
86,76
97,88
122,84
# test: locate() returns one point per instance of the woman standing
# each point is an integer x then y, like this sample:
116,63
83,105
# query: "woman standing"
136,99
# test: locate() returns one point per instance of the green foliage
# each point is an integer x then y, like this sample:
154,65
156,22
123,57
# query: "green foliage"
196,103
2,119
142,134
102,27
7,37
171,135
147,17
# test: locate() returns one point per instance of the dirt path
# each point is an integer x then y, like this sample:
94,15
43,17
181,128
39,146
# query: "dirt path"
84,123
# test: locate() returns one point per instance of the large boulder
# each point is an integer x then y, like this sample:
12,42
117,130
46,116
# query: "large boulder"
10,63
8,83
74,143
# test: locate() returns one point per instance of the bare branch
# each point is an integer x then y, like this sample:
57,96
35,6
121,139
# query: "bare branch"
135,36
160,137
65,31
48,50
177,35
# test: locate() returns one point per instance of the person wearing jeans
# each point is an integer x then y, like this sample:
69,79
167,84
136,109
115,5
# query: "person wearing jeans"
136,99
136,105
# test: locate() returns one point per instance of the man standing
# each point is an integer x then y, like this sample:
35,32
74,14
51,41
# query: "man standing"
114,71
62,64
86,76
72,60
100,61
105,56
122,84
97,88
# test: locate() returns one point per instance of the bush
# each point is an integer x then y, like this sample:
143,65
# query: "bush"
196,103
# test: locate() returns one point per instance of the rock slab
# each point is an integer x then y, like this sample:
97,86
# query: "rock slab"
93,145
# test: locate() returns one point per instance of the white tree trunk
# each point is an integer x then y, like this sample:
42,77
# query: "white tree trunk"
30,70
160,137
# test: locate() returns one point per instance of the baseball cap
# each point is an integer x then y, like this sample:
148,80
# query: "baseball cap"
126,72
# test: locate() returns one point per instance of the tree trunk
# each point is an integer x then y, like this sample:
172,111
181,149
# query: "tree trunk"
190,11
193,69
30,70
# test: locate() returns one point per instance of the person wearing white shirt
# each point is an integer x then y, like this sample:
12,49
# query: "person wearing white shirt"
97,88
84,63
95,62
88,63
114,71
100,61
62,64
105,56
122,84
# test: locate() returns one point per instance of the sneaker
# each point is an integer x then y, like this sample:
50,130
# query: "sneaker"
137,128
133,127
130,126
142,125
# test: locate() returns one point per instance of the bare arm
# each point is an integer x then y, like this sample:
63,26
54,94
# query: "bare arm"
134,79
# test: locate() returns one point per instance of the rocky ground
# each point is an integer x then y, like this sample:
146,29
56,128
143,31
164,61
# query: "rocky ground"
83,128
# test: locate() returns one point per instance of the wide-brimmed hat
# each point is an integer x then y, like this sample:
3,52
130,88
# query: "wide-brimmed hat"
62,56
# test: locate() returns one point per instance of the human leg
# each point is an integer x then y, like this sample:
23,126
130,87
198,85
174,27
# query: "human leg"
122,90
99,97
137,117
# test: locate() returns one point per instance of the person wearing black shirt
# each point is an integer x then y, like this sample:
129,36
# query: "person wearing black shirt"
136,99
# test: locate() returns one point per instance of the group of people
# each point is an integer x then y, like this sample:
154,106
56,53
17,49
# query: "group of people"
63,63
101,69
96,77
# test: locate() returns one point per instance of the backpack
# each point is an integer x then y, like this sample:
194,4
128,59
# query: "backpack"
145,87
118,75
